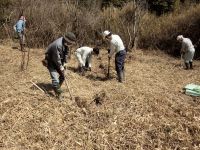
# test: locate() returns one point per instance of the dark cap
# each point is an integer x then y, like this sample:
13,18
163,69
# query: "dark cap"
69,37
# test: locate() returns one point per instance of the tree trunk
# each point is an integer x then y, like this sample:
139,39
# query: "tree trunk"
135,26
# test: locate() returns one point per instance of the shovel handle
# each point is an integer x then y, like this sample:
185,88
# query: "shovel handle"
108,67
68,87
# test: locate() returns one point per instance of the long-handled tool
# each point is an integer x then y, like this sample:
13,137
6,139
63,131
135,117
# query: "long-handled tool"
68,87
108,74
182,60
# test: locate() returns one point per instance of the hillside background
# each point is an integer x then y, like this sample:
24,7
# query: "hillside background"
147,112
146,24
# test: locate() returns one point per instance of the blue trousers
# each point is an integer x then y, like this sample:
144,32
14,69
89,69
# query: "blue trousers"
56,76
119,61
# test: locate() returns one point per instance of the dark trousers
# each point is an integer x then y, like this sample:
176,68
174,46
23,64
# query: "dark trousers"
119,61
86,63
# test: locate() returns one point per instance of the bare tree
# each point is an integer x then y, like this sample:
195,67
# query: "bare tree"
136,9
140,10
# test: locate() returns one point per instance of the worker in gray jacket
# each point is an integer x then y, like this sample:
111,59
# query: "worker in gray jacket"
84,56
187,51
55,59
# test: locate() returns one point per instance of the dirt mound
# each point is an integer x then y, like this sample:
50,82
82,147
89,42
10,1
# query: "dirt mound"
148,111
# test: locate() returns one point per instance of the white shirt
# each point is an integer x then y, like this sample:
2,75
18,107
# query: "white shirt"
116,44
83,54
187,45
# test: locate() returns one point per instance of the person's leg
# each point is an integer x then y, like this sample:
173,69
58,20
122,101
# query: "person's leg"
87,63
55,81
20,40
186,60
23,38
123,63
191,59
80,63
119,64
61,77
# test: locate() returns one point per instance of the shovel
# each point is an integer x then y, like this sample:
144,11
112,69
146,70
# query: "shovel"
108,74
66,83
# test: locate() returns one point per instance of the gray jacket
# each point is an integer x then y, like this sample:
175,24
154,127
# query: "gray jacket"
56,54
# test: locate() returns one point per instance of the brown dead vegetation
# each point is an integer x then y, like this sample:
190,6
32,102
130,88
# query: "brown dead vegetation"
147,112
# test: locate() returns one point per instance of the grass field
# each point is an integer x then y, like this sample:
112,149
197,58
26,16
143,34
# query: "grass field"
149,111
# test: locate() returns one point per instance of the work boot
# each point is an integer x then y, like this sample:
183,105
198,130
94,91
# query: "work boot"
121,76
191,66
83,71
58,92
187,66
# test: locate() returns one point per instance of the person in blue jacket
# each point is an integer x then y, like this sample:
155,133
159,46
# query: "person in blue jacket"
20,29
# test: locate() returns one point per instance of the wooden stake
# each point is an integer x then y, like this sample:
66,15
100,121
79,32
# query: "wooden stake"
37,87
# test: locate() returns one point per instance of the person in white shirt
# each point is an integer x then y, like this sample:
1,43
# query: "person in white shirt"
187,51
116,46
84,56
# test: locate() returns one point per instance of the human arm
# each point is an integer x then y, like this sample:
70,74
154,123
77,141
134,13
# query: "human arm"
89,62
56,58
79,58
112,50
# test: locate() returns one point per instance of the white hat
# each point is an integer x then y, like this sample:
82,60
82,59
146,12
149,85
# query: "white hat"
179,38
105,33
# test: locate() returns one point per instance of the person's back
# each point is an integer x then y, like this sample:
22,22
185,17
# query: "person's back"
117,41
53,46
187,44
52,52
84,50
20,25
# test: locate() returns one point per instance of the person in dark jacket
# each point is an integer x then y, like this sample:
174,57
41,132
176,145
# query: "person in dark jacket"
56,58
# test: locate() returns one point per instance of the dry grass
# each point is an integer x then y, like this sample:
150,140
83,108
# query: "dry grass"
161,32
48,19
147,112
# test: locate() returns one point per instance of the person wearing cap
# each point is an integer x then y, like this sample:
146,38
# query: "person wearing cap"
19,28
187,51
116,46
84,56
56,58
